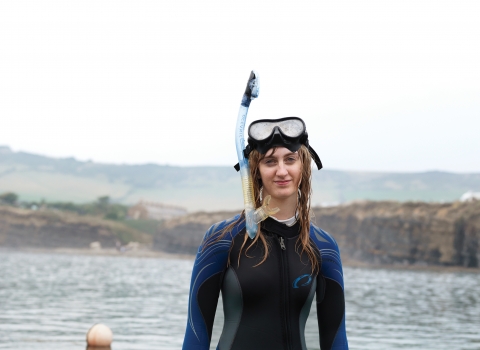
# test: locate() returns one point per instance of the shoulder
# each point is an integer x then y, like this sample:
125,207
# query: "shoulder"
212,254
213,236
219,227
321,238
330,254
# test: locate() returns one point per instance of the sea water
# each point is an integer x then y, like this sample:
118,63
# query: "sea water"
49,301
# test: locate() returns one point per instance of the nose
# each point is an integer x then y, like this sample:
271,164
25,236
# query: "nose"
282,169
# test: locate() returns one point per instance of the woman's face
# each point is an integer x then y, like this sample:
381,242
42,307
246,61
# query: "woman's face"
281,172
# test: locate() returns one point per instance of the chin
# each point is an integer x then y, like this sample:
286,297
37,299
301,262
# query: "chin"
283,194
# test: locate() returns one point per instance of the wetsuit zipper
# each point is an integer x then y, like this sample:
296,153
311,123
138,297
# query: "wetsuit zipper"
285,286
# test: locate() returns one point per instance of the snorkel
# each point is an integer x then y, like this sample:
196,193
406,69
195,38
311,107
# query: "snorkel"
252,216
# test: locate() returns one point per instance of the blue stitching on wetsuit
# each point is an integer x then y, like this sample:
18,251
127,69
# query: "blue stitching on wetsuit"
341,274
319,237
210,250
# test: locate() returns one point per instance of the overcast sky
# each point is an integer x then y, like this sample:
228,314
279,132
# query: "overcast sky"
382,85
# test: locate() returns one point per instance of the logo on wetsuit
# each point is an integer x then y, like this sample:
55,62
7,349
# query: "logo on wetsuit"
302,278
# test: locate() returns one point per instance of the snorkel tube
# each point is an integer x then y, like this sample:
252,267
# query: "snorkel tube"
252,216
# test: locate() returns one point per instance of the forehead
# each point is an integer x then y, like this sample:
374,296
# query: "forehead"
278,152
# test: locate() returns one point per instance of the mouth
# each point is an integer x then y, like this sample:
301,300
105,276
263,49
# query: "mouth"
282,182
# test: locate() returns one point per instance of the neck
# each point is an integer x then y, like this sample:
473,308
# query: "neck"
287,206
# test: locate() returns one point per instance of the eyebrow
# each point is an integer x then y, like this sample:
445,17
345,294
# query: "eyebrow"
286,155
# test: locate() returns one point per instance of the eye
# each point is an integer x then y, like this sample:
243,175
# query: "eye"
290,159
270,161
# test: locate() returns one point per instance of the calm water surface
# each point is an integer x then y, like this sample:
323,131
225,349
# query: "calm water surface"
50,301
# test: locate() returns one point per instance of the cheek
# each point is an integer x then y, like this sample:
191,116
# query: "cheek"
264,174
298,174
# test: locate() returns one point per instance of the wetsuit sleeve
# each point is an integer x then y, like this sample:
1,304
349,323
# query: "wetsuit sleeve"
330,295
210,264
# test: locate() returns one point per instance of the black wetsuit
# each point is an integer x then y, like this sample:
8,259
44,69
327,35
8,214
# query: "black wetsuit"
266,306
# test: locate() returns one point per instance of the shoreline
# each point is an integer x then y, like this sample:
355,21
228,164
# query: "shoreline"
141,253
151,254
429,268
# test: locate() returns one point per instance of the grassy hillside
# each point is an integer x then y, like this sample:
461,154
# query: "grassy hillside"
34,177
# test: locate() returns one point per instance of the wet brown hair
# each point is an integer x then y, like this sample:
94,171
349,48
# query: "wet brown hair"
303,210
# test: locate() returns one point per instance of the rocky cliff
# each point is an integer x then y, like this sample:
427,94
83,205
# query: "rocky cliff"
407,233
20,228
375,232
183,235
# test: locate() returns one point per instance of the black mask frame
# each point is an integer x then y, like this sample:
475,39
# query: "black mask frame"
279,138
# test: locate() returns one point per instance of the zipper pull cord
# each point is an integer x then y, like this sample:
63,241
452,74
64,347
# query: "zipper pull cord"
282,243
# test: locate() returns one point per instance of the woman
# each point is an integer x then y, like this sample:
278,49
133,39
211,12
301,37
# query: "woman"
268,283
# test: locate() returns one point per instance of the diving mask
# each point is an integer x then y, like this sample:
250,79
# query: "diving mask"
287,132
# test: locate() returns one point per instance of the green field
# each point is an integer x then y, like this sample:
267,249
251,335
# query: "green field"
35,177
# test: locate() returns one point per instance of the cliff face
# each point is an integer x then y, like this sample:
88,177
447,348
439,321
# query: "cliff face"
376,232
408,233
183,235
21,228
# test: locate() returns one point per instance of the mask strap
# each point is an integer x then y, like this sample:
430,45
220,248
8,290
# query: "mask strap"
315,157
246,153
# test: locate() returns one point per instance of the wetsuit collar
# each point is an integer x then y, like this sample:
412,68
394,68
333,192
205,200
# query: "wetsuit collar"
274,227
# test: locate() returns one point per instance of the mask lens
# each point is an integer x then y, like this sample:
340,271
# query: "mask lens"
262,130
291,128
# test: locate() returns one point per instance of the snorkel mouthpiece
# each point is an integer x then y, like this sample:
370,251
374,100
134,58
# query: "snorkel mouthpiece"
252,216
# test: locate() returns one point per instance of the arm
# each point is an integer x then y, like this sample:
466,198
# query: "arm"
330,294
205,285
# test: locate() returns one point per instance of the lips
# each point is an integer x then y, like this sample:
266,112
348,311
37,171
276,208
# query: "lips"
282,183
